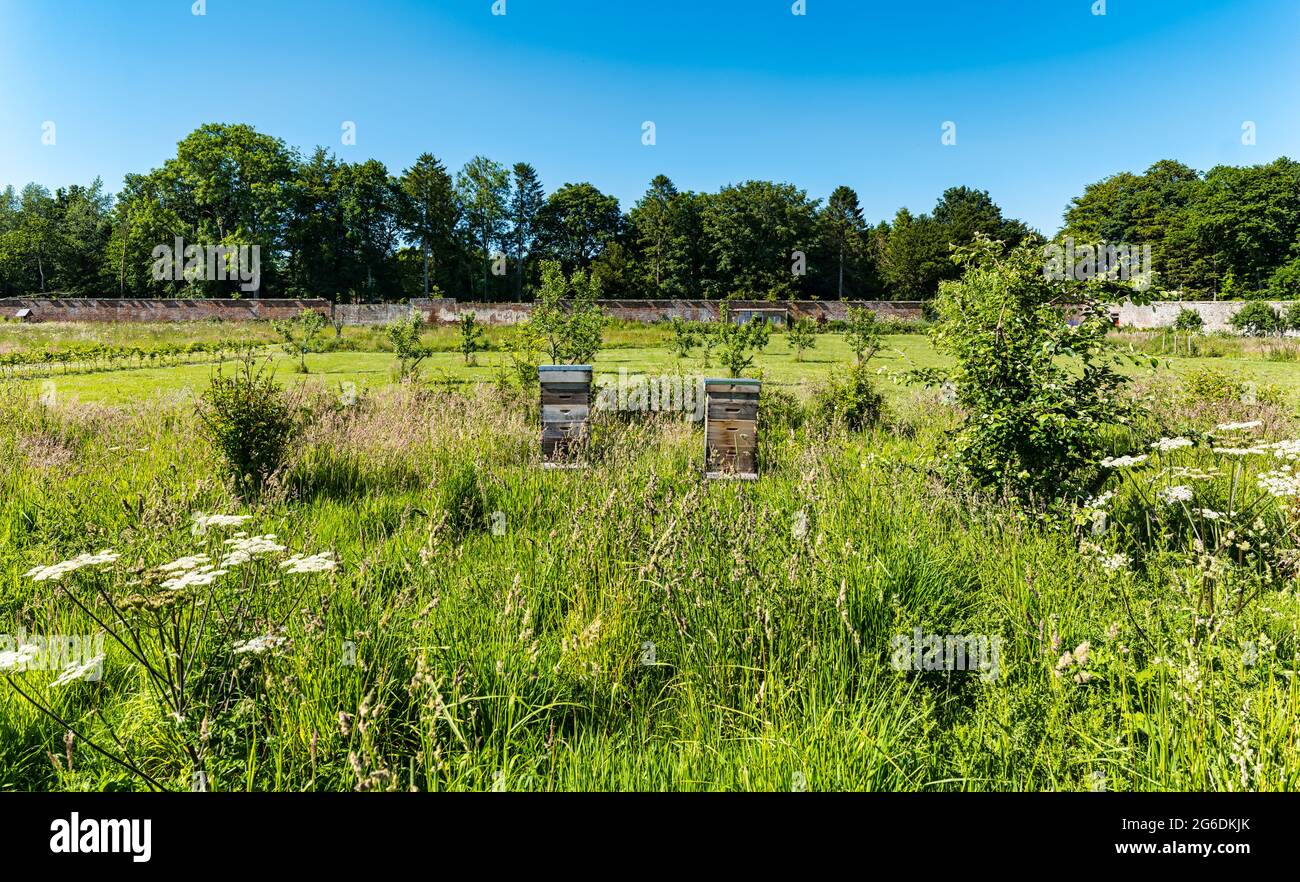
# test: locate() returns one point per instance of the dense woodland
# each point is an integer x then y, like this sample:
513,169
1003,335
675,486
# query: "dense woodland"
358,232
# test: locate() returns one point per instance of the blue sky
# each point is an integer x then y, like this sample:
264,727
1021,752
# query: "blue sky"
1046,96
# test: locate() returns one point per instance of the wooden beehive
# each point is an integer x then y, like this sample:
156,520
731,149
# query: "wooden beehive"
566,409
731,429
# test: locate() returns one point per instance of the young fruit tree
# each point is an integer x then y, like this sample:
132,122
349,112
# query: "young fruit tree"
1033,377
566,317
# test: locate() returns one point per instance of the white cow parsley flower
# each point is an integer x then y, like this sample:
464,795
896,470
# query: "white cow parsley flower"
56,572
316,563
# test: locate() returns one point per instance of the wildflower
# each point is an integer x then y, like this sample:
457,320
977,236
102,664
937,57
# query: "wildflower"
1123,462
1081,653
244,549
57,571
1166,445
1286,449
1176,494
203,523
1099,501
1239,427
260,645
185,563
1282,484
193,578
1240,451
1113,562
90,670
316,563
1209,514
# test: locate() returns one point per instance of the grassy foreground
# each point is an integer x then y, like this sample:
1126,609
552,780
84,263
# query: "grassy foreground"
494,625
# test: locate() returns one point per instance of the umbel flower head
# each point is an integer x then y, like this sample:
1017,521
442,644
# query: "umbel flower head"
316,563
56,572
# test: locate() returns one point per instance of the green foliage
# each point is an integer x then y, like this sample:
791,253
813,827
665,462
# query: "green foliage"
863,333
577,223
250,423
1188,320
471,336
566,318
848,400
738,343
462,499
404,335
1284,284
300,334
685,337
802,336
1038,392
1292,317
753,230
1256,319
1210,386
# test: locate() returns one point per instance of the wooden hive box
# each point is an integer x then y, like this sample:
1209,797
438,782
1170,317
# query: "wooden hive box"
731,429
566,408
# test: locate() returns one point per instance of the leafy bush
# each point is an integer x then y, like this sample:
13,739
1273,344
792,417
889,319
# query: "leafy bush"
570,332
863,333
802,336
1292,317
779,410
737,343
1188,320
1208,385
524,348
684,338
404,335
471,336
1256,319
249,421
300,334
849,399
1037,390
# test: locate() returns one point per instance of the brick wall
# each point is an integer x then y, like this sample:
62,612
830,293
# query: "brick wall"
446,310
114,310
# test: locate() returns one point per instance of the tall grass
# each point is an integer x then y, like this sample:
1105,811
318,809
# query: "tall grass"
628,625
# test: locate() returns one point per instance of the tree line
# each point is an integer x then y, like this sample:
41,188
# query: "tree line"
350,231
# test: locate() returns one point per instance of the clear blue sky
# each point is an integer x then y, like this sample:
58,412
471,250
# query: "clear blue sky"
1046,96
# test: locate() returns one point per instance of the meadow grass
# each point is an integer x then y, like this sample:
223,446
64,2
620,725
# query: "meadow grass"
491,624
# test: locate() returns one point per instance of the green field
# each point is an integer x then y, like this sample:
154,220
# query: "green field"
361,357
482,622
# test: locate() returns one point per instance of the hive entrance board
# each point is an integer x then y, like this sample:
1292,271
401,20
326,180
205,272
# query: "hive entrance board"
731,429
566,410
